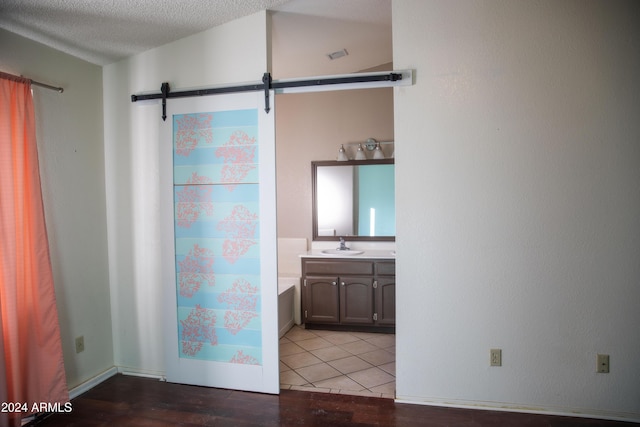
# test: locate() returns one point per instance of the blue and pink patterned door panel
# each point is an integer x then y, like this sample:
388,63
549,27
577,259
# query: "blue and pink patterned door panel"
216,201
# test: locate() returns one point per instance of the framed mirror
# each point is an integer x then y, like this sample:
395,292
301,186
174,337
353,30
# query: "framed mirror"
354,200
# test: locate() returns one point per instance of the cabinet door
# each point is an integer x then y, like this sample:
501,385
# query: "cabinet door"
386,301
356,300
321,299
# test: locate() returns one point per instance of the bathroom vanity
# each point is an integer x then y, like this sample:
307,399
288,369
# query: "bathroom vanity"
344,288
349,293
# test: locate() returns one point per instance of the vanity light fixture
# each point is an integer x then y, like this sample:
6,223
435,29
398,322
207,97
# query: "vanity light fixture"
342,155
369,145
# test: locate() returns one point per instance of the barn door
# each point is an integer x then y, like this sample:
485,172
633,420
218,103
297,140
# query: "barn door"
219,242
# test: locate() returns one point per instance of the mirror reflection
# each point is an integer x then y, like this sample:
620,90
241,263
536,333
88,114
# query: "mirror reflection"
354,199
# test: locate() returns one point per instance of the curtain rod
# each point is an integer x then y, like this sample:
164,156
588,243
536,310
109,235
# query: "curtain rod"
46,86
33,82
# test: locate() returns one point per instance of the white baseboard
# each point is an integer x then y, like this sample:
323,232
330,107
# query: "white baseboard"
142,373
91,383
114,370
491,406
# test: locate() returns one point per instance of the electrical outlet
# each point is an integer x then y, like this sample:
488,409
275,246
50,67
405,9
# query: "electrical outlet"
495,357
603,363
80,344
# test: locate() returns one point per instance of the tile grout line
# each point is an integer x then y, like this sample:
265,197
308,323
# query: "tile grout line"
310,386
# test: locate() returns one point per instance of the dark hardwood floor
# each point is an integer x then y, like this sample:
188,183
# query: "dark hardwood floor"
132,401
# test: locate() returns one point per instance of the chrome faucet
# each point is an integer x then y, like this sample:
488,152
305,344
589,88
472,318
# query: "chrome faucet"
343,246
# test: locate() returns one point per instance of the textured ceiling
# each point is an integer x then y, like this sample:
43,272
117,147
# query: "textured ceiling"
102,32
105,31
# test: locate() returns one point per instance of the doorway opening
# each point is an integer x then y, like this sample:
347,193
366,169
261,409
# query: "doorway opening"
311,127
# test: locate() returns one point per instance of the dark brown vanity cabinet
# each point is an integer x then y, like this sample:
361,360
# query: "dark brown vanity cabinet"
356,300
349,293
321,299
386,293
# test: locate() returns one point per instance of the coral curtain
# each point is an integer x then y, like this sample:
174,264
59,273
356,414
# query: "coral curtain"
31,365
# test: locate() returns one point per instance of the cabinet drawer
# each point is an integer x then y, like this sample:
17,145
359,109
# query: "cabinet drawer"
337,267
384,268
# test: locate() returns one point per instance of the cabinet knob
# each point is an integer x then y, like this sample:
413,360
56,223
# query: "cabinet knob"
333,283
342,283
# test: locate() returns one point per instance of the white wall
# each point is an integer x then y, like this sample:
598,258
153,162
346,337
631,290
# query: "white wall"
231,53
518,198
70,146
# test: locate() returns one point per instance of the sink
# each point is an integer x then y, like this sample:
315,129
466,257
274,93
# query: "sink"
346,252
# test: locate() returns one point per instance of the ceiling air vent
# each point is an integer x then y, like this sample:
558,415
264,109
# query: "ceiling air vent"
337,54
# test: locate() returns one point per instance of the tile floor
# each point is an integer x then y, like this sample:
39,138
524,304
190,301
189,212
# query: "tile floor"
338,362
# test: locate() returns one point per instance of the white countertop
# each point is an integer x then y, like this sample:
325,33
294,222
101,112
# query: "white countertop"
367,254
